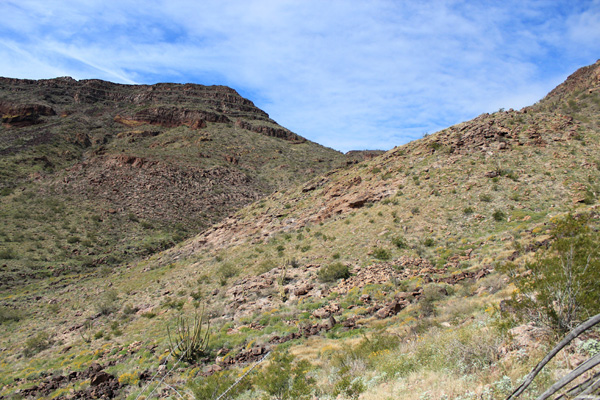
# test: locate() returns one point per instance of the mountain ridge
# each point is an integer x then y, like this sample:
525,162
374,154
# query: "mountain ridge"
145,165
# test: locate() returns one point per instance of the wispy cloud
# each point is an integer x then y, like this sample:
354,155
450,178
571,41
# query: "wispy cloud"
345,74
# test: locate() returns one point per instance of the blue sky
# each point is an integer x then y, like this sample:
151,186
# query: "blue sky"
346,74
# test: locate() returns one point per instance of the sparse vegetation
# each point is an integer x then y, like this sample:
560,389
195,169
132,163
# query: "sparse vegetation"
399,242
333,272
559,288
189,340
226,271
212,386
38,342
419,317
285,379
382,254
499,215
9,314
108,302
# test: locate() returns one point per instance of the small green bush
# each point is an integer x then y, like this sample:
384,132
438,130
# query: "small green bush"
8,254
35,344
174,304
128,309
486,198
428,242
6,191
73,239
468,210
107,304
283,379
333,272
498,215
226,271
212,386
132,217
146,225
589,197
560,288
9,314
512,175
399,242
349,387
196,295
382,254
265,266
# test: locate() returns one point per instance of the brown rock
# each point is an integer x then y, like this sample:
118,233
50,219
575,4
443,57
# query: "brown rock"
330,323
302,290
321,313
100,377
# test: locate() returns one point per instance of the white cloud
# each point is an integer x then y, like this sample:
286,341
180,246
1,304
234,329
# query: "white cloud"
361,74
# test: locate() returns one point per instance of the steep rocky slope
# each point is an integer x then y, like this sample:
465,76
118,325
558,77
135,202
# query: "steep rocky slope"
541,159
93,173
383,275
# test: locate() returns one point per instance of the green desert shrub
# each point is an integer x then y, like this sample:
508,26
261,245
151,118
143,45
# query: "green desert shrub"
213,386
499,215
399,242
333,272
226,271
348,386
108,302
382,254
8,254
285,379
559,288
9,314
368,349
428,242
35,344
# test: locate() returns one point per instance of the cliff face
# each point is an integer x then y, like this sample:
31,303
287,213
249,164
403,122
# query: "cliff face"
176,157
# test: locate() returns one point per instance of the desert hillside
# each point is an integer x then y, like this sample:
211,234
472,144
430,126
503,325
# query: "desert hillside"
93,174
388,278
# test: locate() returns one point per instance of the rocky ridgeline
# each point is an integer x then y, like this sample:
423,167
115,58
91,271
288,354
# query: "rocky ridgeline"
23,102
503,130
584,79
